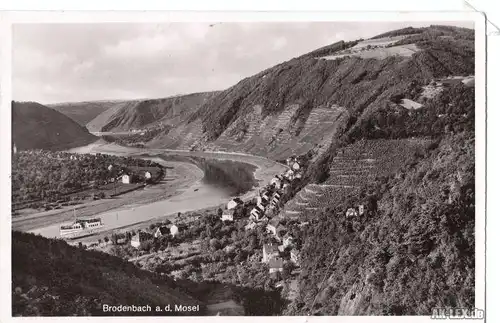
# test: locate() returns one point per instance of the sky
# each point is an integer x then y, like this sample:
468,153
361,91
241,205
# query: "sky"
53,63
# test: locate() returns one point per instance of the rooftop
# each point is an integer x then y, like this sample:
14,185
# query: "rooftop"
276,263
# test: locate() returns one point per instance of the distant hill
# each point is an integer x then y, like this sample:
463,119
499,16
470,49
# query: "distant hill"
147,113
84,112
51,278
35,126
141,114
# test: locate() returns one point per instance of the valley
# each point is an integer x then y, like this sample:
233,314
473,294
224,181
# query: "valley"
339,182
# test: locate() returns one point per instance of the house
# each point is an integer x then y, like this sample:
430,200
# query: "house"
296,166
256,214
121,240
275,265
265,198
110,167
276,182
161,231
147,175
174,230
227,216
125,179
361,209
295,256
276,199
272,226
288,241
351,212
269,251
234,203
139,239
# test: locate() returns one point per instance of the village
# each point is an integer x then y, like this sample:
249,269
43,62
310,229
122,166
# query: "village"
190,245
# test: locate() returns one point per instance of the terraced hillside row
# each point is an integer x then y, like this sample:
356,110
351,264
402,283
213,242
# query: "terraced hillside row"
282,135
352,168
306,103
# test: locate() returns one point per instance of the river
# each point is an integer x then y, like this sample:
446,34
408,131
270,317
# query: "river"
200,194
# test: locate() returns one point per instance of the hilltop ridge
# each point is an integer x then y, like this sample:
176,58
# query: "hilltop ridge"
35,126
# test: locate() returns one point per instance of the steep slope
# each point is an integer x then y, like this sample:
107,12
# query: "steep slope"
35,126
84,112
97,123
412,251
51,278
149,113
307,102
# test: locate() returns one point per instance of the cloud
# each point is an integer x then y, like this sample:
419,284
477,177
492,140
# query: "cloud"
76,62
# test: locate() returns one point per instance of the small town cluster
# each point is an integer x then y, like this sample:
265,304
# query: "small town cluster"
266,213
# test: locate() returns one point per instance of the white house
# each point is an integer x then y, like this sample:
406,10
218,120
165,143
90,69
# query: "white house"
125,179
233,203
287,241
351,212
269,251
174,230
227,217
147,175
255,214
361,209
139,239
161,231
276,182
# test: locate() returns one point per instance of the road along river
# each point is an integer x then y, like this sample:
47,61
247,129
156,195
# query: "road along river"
195,195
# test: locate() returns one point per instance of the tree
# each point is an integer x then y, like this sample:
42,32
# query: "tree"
106,239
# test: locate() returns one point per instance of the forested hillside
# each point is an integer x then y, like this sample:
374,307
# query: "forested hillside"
35,126
412,252
414,249
275,112
51,278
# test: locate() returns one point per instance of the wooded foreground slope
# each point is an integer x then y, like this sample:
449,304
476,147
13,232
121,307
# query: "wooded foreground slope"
51,278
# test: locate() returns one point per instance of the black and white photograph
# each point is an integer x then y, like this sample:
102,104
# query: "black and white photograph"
246,168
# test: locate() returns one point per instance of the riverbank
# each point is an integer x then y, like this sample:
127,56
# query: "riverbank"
181,177
137,209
